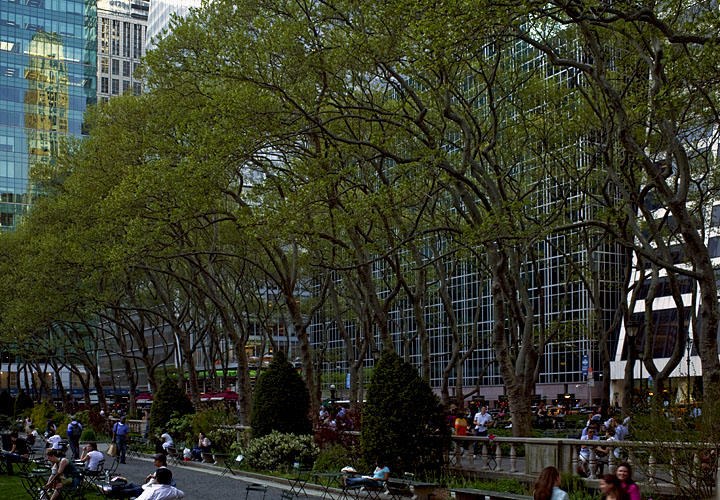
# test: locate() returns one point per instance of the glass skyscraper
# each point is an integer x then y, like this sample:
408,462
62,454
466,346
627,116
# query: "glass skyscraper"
48,65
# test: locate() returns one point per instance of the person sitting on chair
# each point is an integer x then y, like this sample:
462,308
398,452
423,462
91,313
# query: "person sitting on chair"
19,452
161,488
93,459
378,479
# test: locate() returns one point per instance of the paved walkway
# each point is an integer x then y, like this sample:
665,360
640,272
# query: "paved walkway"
201,482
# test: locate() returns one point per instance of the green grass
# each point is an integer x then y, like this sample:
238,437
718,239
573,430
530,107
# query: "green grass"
11,487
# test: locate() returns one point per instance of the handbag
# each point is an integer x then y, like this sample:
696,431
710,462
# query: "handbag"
112,450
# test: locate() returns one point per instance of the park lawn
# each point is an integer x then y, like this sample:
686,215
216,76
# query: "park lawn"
11,487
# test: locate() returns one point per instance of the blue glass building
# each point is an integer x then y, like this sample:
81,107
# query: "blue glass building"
48,68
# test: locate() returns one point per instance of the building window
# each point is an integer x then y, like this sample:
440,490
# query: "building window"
104,86
6,219
137,41
104,65
115,67
126,68
137,88
126,86
126,39
115,42
115,86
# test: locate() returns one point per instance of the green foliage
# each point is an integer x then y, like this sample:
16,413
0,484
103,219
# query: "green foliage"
41,413
276,451
88,435
180,427
403,421
573,484
333,459
7,404
22,403
221,439
282,401
169,401
209,418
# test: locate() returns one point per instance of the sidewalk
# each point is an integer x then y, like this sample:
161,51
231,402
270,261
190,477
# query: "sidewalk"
202,481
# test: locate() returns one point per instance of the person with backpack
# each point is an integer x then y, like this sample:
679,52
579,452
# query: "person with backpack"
74,431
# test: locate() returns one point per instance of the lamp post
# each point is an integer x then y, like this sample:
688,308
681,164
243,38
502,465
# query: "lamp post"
631,328
332,394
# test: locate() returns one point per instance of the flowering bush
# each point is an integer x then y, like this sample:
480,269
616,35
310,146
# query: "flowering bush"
277,451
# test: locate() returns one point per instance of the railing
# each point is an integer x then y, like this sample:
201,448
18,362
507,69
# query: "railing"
564,454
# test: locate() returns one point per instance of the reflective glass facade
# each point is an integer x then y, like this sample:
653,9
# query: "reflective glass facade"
48,65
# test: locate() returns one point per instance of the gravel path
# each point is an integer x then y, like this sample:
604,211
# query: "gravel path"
202,482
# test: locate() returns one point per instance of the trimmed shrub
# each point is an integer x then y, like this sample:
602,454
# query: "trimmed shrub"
403,421
282,401
7,404
277,451
88,435
169,401
22,403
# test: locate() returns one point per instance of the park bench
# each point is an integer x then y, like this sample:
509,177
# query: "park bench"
473,494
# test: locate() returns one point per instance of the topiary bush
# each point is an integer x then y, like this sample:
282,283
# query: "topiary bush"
22,403
281,401
403,421
169,401
277,451
88,435
7,404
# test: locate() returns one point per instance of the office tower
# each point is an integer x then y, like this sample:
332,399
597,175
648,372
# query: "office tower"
121,45
47,80
161,12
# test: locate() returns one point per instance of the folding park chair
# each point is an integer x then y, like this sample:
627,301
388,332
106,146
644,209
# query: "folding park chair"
255,487
113,467
373,492
229,463
175,456
33,485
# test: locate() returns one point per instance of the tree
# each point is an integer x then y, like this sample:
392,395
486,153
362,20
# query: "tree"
282,400
403,421
169,401
22,402
7,404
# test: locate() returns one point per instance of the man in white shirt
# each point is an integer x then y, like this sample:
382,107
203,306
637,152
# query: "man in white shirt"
167,441
161,489
55,441
482,421
93,458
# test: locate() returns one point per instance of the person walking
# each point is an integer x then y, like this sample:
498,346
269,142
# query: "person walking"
547,486
120,436
74,431
482,421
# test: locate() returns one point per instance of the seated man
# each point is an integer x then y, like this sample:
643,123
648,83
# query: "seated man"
94,459
378,479
161,488
19,452
585,452
130,490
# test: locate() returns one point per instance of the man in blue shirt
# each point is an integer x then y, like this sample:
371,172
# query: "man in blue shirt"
120,435
74,431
